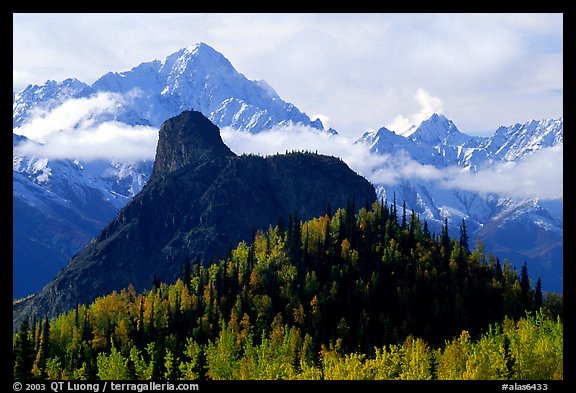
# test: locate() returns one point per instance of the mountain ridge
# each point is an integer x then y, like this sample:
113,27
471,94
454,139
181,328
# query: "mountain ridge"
488,216
197,210
196,77
248,105
111,185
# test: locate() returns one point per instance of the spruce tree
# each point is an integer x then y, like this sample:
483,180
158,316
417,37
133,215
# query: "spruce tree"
499,273
187,273
426,231
404,223
23,353
464,248
538,295
394,213
525,288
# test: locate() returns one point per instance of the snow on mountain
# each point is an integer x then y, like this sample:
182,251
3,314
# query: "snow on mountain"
67,202
116,182
520,229
518,141
59,205
438,130
78,196
385,141
197,77
48,96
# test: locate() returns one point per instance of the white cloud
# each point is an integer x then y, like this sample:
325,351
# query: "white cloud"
428,106
359,69
83,129
288,138
539,175
400,166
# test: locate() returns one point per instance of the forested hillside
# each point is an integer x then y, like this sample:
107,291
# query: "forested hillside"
366,295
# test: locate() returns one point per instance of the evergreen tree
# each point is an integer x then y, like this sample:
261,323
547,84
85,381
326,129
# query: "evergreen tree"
42,352
538,295
155,282
404,223
445,237
464,248
262,312
446,242
425,230
23,352
187,273
525,288
394,213
499,273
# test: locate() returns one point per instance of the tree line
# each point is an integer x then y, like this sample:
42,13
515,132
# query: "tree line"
369,290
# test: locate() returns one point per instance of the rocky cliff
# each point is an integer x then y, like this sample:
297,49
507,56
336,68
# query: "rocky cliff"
201,200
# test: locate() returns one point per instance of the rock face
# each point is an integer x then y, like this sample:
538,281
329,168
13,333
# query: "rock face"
187,140
82,195
201,199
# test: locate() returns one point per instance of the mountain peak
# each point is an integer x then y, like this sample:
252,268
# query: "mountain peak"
438,130
197,55
201,46
189,138
195,77
439,119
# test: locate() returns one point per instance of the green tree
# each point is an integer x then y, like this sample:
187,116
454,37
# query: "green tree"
112,367
171,365
38,369
465,249
191,367
415,363
538,295
222,356
525,288
23,352
452,360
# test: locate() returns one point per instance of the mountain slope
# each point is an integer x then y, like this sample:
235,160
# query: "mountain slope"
202,78
521,229
200,200
196,78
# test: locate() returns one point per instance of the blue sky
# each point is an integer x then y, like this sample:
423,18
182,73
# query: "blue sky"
356,71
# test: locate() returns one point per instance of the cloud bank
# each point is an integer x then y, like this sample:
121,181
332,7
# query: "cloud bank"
85,129
538,176
360,69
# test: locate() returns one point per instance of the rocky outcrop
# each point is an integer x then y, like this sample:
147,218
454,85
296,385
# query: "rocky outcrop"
201,200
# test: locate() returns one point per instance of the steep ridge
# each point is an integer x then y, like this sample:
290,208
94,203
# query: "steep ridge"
82,195
197,77
201,200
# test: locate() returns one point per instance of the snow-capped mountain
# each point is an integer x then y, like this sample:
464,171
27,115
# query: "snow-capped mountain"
521,229
60,204
197,77
520,140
